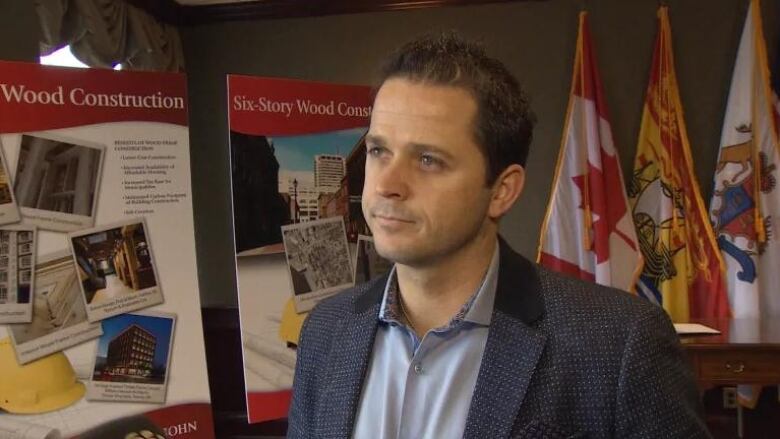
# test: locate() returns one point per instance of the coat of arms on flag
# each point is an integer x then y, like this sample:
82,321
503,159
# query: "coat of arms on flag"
745,198
683,269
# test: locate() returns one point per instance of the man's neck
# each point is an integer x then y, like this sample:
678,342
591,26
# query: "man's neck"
432,295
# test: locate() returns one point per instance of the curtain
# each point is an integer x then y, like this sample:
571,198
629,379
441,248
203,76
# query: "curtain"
103,33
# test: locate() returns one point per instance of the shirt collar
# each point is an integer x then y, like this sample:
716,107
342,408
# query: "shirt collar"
478,309
481,311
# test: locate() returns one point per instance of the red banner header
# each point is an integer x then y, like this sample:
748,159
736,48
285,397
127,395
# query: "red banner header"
272,106
35,97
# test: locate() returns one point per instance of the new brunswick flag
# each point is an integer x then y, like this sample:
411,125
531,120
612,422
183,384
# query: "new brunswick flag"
683,269
587,232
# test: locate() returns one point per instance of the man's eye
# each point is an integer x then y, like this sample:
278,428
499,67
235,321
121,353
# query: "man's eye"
374,151
430,161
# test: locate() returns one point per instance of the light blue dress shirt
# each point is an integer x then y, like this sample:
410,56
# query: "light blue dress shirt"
422,388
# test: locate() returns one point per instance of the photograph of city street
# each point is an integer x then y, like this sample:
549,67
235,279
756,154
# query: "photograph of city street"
294,179
134,348
9,211
16,265
317,256
368,263
57,176
57,301
5,188
114,262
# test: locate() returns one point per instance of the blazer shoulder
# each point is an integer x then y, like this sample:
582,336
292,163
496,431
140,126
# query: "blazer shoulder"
343,304
567,298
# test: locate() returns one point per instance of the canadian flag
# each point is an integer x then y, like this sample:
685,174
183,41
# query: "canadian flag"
588,231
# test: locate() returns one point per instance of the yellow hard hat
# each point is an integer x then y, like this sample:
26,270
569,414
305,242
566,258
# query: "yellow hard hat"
292,323
40,386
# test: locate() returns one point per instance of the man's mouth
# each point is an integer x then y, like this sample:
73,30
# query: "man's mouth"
392,218
387,217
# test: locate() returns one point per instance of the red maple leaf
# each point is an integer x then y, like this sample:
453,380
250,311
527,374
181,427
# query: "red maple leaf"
607,205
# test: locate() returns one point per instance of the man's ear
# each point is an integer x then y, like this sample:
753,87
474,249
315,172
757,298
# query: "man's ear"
506,189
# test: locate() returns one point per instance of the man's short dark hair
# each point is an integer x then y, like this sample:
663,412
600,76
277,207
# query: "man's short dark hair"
504,122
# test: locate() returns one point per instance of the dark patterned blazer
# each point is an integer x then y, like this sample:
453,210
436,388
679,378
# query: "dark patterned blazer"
563,359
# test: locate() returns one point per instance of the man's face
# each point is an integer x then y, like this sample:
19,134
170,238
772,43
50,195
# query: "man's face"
425,195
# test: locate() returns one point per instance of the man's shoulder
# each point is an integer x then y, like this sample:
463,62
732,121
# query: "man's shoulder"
570,299
330,315
343,304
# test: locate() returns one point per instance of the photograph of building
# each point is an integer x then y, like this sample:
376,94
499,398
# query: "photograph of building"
134,348
57,302
259,210
57,176
303,199
114,262
16,254
368,263
351,192
328,172
317,255
289,180
5,187
131,353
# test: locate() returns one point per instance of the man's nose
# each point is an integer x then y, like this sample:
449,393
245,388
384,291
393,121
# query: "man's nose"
392,180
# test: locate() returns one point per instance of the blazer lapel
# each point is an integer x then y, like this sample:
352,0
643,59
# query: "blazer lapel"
512,351
511,354
348,361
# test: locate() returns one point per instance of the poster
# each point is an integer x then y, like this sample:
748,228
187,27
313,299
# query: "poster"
297,163
17,272
99,303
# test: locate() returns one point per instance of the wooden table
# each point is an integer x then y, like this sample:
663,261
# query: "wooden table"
747,351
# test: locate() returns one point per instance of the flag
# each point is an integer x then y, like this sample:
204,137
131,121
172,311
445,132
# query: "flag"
587,231
745,197
776,105
683,270
775,78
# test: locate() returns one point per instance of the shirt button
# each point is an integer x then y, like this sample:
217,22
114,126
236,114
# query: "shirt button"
418,369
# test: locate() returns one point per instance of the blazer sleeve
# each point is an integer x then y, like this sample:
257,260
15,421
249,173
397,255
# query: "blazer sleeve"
299,422
657,395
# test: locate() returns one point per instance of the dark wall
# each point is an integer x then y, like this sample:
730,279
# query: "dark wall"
536,40
18,30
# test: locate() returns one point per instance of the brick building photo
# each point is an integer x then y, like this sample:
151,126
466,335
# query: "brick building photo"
134,348
131,353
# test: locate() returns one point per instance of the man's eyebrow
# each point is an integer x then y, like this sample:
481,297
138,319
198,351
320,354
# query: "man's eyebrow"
375,140
425,147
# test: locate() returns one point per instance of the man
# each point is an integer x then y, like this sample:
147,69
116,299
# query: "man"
465,337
